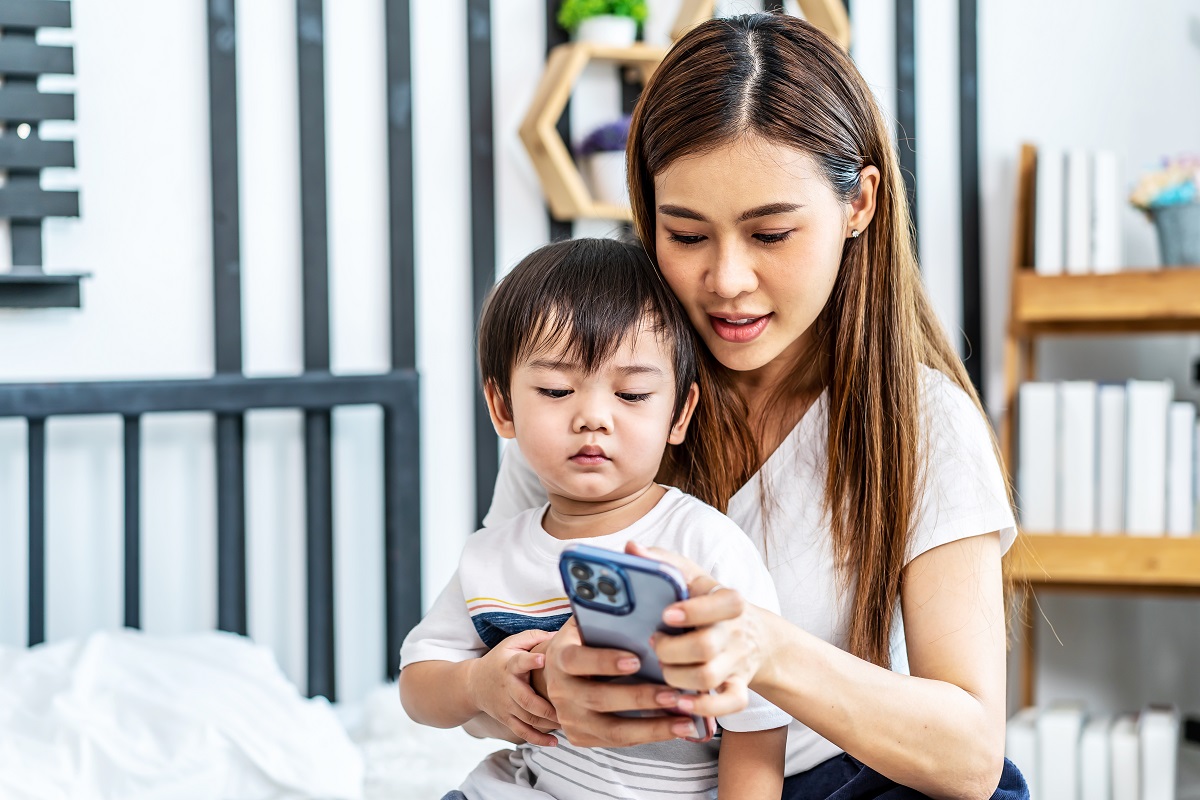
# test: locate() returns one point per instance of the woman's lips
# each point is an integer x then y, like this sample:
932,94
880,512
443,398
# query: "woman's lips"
742,329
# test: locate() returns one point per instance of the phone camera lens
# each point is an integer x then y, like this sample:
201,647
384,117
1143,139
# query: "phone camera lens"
580,572
585,590
606,587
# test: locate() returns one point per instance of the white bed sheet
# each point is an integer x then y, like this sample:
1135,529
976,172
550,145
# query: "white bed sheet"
120,714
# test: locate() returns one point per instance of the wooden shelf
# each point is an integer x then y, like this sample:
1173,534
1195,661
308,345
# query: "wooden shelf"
1161,300
566,192
1107,562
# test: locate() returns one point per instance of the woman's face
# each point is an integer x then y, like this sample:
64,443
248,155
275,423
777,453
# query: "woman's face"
749,237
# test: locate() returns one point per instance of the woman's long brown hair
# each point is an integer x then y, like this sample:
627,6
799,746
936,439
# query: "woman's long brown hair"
776,77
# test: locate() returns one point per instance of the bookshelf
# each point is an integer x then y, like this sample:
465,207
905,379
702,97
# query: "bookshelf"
1158,301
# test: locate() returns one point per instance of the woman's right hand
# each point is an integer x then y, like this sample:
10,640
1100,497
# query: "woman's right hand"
586,707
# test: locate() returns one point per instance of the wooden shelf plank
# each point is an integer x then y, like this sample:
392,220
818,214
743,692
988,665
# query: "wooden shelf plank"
1160,300
1107,561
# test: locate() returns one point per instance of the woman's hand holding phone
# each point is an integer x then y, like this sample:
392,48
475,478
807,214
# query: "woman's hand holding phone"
587,709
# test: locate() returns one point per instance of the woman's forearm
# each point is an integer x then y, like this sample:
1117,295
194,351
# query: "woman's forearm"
930,735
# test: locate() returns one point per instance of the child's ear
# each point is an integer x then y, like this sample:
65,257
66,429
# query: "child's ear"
679,429
502,419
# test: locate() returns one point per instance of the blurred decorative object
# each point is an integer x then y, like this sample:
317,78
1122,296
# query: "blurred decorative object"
607,22
1170,196
603,150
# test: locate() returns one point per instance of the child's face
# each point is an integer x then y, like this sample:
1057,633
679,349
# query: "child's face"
597,437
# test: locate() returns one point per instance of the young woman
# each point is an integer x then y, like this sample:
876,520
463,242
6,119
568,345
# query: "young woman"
855,455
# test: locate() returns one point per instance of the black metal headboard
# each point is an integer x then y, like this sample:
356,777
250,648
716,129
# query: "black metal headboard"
229,394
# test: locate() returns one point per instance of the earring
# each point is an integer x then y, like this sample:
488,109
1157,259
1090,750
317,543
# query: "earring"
854,233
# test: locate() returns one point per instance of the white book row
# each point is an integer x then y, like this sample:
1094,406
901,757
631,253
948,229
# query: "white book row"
1066,754
1107,458
1077,212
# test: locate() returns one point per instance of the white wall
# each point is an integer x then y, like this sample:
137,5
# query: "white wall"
142,144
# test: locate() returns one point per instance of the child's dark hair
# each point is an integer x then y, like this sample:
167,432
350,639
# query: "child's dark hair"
590,293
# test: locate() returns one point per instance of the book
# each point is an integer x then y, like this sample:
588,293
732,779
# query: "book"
1110,459
1077,240
1107,201
1037,463
1095,763
1059,727
1158,740
1048,206
1146,407
1123,750
1021,748
1181,502
1196,476
1076,457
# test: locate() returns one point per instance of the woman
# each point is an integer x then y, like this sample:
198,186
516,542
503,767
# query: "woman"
857,457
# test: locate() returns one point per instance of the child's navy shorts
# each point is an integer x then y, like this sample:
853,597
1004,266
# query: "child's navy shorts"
844,778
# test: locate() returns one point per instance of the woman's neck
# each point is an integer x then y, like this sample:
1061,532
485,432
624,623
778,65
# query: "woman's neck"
568,518
777,396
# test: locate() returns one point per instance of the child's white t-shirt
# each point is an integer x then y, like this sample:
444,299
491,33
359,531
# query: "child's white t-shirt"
963,495
508,581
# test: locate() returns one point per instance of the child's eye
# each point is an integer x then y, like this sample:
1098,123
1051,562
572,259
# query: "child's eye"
634,397
685,239
772,238
555,393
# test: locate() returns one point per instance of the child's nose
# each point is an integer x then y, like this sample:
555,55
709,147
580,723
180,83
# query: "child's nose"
593,416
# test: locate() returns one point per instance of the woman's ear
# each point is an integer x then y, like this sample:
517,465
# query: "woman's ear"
679,429
862,208
498,410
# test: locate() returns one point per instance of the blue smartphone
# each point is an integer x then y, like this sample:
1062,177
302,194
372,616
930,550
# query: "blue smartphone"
618,600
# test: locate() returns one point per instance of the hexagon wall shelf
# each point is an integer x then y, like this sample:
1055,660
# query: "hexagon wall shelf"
566,192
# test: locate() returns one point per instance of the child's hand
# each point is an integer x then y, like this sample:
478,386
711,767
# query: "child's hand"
498,684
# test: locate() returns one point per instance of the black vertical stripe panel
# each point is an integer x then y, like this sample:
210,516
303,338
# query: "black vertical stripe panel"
401,449
483,226
400,183
555,36
227,313
968,136
133,521
906,100
36,446
26,234
318,470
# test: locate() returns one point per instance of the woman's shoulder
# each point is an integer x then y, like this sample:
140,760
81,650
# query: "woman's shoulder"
963,490
942,399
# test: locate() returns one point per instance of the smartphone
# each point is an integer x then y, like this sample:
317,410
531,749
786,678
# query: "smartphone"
618,600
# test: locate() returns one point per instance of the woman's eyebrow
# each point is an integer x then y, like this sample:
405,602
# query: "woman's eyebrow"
768,210
681,212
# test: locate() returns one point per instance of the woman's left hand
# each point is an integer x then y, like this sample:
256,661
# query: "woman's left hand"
723,653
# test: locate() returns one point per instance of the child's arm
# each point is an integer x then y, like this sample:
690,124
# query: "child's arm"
750,764
446,694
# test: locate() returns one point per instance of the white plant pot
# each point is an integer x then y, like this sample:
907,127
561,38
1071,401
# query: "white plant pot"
608,177
607,29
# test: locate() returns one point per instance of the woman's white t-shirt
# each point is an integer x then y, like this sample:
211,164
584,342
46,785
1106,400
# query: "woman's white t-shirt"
963,495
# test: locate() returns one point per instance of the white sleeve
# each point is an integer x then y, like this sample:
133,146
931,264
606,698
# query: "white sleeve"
446,633
740,566
963,490
517,488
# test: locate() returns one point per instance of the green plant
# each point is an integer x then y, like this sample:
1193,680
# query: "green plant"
573,12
